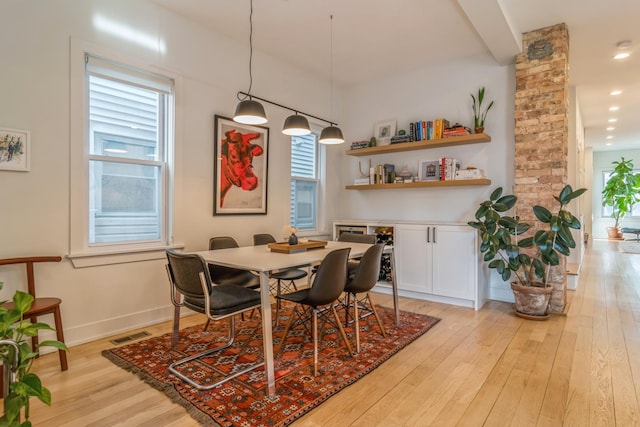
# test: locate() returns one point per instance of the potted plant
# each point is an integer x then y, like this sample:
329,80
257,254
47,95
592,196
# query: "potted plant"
20,384
478,115
621,192
526,261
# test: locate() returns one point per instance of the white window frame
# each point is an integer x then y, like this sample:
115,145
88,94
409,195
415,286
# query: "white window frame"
321,188
81,253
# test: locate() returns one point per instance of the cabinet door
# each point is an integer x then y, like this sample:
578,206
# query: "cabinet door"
413,254
454,261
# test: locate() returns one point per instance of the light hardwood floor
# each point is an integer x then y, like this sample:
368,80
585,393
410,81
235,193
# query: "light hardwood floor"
484,367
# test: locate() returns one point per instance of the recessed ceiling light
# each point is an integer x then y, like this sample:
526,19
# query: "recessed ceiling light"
610,128
612,120
609,136
622,55
614,108
609,143
615,92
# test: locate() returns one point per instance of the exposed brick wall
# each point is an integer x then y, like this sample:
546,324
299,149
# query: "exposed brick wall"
542,133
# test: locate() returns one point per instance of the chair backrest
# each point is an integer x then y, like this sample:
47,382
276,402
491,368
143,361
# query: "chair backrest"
330,278
185,270
357,238
368,270
29,261
263,239
222,242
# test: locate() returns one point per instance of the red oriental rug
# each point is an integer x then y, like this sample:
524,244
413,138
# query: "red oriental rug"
243,401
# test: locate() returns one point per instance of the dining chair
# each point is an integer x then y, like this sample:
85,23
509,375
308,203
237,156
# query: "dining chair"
191,287
359,282
284,279
318,301
41,305
352,265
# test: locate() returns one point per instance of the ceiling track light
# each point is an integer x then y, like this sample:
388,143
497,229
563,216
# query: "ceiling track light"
248,111
331,134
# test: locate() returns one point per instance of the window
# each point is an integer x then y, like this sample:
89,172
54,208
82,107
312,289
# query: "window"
608,210
121,157
305,181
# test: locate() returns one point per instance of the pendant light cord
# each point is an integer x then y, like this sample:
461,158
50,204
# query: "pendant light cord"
331,69
250,53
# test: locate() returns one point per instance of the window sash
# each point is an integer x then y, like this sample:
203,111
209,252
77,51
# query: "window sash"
305,182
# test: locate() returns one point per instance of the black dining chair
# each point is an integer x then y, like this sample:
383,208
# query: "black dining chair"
353,238
319,300
359,282
191,287
284,280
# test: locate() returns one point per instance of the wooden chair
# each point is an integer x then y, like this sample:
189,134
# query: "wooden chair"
41,306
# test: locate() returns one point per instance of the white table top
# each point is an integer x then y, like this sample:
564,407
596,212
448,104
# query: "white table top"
260,258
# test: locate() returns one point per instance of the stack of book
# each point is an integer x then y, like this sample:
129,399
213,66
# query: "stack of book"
359,144
456,130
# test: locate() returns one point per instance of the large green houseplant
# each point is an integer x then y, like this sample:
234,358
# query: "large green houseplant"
621,192
526,261
24,384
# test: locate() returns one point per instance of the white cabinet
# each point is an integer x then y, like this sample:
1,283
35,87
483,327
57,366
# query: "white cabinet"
437,262
440,261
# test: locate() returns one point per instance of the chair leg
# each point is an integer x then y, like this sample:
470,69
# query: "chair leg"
314,331
176,326
60,337
375,314
286,331
356,321
344,335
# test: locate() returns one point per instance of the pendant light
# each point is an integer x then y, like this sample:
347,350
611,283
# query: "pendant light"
249,111
331,134
296,125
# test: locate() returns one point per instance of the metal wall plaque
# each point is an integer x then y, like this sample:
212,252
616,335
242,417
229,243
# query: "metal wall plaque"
539,49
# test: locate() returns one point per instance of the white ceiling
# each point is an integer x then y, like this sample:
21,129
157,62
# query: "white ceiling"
375,38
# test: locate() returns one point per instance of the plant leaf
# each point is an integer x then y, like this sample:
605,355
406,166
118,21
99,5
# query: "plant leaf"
542,213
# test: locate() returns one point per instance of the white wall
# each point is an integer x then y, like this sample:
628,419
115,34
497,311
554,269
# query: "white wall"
601,162
425,94
34,206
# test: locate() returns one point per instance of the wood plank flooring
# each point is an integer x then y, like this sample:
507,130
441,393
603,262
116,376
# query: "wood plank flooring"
474,368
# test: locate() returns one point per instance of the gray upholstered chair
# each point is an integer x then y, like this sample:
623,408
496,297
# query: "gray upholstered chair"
359,282
191,287
319,301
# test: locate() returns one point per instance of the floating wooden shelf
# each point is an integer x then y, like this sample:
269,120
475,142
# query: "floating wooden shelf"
452,183
421,145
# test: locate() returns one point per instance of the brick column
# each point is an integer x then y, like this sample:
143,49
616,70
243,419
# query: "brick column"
541,131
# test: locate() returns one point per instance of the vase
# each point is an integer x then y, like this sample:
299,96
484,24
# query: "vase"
532,301
293,239
479,129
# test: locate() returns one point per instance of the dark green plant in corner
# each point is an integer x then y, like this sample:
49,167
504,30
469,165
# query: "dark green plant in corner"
14,332
499,237
478,115
622,190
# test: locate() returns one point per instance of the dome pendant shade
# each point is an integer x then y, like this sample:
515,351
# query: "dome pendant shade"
331,135
296,125
250,112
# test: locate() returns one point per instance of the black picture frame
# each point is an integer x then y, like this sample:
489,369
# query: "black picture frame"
241,166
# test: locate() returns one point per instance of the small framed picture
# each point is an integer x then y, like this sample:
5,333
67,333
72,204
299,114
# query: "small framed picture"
383,131
428,170
15,149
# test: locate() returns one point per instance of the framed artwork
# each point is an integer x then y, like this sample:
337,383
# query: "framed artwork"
15,149
383,131
428,170
240,168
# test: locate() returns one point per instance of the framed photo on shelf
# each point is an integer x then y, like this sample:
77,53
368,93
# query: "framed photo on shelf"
240,168
383,131
428,170
15,150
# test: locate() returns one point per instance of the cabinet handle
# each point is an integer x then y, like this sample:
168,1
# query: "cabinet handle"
434,235
428,234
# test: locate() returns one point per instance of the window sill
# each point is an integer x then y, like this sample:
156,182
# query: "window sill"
94,259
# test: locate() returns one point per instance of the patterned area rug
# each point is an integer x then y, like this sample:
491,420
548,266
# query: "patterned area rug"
243,401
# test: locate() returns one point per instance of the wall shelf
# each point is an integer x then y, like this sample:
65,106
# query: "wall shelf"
421,145
451,183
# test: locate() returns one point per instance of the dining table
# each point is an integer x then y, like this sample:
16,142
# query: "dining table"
262,261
